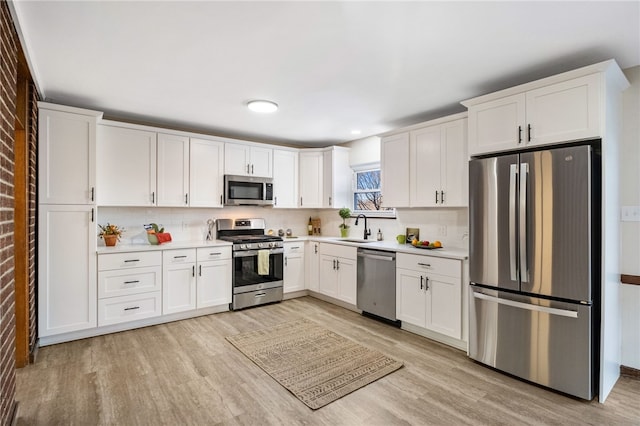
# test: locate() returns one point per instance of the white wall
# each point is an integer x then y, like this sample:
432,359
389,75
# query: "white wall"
630,231
364,151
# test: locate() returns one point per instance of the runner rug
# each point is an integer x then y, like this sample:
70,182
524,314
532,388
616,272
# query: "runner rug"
313,363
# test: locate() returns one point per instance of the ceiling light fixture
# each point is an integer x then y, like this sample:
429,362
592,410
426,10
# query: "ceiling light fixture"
262,106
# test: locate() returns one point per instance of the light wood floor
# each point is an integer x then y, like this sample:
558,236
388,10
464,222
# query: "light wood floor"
186,373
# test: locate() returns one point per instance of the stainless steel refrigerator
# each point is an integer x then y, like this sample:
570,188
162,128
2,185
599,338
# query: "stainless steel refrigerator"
534,266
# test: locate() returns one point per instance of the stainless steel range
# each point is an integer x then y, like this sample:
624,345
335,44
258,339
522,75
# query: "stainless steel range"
258,262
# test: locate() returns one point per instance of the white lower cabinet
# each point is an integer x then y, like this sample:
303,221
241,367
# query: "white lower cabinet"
129,286
429,293
213,286
312,265
66,269
338,276
178,280
293,266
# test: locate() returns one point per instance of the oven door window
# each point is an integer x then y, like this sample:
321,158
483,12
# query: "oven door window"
246,190
245,268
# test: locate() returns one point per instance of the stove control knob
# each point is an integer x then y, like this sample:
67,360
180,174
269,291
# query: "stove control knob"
243,246
260,245
272,245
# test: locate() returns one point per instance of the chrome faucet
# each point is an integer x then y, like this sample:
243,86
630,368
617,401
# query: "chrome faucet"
367,231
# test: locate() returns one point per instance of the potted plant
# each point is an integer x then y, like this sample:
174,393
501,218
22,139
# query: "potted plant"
345,214
110,233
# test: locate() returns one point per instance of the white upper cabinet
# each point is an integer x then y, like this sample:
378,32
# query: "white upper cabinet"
206,173
67,157
336,178
311,181
173,170
561,112
248,160
126,166
427,165
285,178
394,169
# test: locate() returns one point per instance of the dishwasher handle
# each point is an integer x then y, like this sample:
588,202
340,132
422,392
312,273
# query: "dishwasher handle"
389,258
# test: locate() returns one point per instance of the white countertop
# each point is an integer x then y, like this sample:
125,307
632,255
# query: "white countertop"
388,245
452,253
124,248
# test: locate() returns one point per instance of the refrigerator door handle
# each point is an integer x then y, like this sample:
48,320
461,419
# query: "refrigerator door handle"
513,179
524,180
527,306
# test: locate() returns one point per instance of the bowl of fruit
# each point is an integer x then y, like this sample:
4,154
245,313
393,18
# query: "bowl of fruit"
425,244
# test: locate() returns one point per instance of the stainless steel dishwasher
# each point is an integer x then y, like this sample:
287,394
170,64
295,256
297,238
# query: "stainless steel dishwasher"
377,283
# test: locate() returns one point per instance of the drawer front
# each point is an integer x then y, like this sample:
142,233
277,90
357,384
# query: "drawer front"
213,253
436,265
338,250
171,257
294,249
115,310
138,259
121,283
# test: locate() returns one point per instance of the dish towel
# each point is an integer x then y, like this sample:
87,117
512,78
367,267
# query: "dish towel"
263,262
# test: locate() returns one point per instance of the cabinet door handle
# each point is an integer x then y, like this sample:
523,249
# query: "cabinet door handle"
247,168
426,283
275,201
441,197
300,201
329,200
334,264
428,265
285,261
436,197
528,132
92,214
519,134
315,249
337,264
421,282
200,270
131,260
193,271
186,199
220,199
93,193
132,308
131,282
153,197
252,169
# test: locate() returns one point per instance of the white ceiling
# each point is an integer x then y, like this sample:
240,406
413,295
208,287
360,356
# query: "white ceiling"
331,66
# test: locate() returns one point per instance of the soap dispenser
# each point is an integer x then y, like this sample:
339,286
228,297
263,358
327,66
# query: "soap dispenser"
379,235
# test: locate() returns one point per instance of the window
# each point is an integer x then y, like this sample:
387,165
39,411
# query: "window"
367,197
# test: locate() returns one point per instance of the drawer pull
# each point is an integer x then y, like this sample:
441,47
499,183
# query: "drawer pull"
428,265
132,308
215,254
295,248
131,282
260,295
131,260
179,257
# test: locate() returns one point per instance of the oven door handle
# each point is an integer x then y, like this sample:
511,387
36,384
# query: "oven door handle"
250,253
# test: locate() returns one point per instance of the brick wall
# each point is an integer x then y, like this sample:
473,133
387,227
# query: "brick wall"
8,76
32,141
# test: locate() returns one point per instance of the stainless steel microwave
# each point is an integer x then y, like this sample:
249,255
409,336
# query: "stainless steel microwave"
247,191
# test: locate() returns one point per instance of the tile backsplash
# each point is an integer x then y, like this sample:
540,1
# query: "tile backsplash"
449,225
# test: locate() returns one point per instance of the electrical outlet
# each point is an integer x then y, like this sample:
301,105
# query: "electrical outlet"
630,214
442,230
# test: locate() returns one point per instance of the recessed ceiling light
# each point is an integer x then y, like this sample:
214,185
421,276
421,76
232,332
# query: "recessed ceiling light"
355,132
262,106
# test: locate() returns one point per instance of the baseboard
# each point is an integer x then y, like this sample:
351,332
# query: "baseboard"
629,372
33,356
